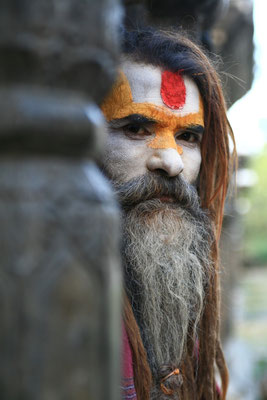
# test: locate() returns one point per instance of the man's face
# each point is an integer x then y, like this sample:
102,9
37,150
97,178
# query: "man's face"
153,158
155,123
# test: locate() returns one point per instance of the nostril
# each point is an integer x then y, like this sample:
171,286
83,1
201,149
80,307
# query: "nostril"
161,172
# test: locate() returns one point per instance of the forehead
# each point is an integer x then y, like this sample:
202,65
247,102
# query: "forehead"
166,97
171,90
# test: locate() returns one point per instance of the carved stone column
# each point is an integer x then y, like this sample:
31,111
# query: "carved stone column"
59,264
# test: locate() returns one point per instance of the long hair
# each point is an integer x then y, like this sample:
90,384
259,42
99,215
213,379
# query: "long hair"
175,52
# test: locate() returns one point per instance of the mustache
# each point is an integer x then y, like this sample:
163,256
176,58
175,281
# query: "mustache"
151,187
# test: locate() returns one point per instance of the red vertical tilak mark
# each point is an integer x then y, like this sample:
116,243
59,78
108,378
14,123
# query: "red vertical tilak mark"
173,91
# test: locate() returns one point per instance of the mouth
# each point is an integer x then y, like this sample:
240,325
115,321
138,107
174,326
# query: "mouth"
166,199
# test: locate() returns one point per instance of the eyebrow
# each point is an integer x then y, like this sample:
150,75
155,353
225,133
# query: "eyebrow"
131,119
199,129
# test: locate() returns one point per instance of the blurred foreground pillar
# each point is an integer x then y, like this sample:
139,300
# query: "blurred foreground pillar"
59,265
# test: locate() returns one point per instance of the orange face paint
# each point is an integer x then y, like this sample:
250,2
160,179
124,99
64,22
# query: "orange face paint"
120,104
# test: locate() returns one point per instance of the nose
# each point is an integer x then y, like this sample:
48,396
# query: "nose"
166,160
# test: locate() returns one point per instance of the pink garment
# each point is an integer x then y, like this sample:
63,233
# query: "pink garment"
218,389
128,389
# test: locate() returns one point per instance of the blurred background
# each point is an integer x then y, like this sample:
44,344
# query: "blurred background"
246,341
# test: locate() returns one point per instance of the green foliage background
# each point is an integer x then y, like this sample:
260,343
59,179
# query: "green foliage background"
255,221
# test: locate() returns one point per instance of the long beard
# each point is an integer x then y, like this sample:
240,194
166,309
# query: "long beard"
166,247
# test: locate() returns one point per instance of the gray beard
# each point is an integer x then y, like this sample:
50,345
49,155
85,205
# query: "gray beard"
166,254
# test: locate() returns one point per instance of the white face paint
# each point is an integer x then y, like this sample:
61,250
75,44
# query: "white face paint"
145,82
160,138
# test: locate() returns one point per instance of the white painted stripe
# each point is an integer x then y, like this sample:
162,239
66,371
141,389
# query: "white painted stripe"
145,83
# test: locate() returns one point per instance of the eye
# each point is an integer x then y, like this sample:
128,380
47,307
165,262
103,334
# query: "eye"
188,136
136,130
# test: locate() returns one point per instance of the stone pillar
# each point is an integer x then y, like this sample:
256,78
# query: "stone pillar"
59,266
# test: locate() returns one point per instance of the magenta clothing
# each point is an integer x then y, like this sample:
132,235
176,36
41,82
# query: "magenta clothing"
128,389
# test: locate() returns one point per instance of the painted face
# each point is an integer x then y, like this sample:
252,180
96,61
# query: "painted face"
156,122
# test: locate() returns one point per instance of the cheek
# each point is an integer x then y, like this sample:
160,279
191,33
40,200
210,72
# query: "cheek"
192,161
124,159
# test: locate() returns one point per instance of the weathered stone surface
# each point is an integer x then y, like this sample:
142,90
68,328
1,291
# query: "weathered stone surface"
39,121
194,17
60,43
59,268
233,41
59,280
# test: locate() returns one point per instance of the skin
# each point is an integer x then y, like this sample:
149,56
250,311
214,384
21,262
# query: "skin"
147,136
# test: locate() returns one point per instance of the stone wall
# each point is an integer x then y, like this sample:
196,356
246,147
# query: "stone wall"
59,268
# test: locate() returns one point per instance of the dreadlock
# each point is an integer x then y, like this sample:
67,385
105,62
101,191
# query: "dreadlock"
175,52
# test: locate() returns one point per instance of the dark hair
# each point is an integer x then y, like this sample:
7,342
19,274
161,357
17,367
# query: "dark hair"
175,52
161,49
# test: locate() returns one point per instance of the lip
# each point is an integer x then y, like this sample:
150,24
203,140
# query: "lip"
166,199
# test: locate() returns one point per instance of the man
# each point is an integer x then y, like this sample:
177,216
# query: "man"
168,159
